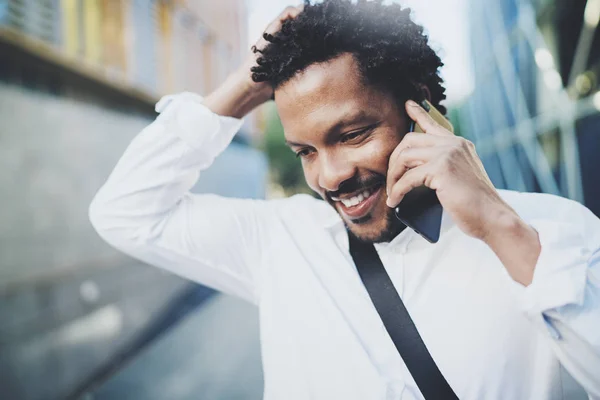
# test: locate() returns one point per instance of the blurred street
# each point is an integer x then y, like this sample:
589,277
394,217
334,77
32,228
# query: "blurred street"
213,352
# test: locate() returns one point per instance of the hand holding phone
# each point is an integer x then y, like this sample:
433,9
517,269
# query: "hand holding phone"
420,208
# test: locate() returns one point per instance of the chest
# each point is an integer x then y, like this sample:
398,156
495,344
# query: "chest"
317,318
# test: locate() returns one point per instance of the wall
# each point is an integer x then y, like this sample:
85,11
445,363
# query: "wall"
68,302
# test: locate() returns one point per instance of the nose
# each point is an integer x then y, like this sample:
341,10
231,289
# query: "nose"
333,170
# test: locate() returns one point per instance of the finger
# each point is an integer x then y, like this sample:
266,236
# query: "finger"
414,140
408,159
411,179
421,117
275,25
289,12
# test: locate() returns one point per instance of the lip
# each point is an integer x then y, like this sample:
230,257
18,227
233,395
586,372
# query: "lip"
361,209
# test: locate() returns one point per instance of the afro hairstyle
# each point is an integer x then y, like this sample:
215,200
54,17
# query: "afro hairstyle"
391,50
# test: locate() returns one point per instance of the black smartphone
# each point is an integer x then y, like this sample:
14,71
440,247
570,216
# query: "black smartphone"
420,208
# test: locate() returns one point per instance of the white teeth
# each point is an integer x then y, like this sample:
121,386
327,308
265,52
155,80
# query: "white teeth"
353,201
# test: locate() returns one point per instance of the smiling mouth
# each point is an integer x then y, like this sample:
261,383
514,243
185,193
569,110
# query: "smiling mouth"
360,204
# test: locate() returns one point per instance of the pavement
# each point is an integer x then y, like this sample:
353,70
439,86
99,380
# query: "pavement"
213,354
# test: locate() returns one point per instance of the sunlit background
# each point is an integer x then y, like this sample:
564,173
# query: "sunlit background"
79,78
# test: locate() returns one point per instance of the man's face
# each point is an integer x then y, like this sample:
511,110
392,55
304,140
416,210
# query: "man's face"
344,131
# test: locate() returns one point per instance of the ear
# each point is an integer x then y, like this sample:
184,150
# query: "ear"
426,92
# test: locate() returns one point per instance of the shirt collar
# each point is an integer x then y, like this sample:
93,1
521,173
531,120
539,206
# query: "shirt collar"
333,222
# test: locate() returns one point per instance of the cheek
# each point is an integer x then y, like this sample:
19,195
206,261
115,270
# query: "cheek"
373,155
376,154
311,177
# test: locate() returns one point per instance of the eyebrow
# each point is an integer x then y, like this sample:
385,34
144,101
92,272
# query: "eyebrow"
350,118
293,144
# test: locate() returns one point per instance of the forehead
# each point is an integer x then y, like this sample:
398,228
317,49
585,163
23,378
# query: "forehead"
326,93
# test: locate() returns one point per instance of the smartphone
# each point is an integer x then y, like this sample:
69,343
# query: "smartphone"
420,208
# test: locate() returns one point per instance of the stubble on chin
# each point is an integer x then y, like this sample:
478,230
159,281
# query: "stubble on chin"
391,228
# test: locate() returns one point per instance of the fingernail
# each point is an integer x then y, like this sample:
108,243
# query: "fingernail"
412,103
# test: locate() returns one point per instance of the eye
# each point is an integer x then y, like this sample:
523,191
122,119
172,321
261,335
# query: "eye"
303,152
353,135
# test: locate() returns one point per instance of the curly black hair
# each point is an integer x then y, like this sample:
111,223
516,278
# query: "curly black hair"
391,50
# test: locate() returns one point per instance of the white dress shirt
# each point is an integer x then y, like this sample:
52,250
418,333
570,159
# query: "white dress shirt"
321,337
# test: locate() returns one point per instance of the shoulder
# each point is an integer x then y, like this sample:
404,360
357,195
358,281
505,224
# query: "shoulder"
306,209
307,206
543,206
538,204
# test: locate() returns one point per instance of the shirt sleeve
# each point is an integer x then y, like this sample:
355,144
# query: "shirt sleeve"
146,210
564,296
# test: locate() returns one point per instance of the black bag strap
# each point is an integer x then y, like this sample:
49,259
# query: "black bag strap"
398,323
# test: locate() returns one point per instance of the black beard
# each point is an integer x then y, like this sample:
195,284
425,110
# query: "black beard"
393,226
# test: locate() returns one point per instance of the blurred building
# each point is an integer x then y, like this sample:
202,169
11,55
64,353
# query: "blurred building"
535,111
79,79
143,48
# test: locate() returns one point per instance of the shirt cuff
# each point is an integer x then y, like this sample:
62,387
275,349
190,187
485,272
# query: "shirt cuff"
195,124
561,271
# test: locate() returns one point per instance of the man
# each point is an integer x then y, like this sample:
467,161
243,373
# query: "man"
507,302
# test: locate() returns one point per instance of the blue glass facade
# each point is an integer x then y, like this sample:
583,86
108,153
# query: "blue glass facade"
532,113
